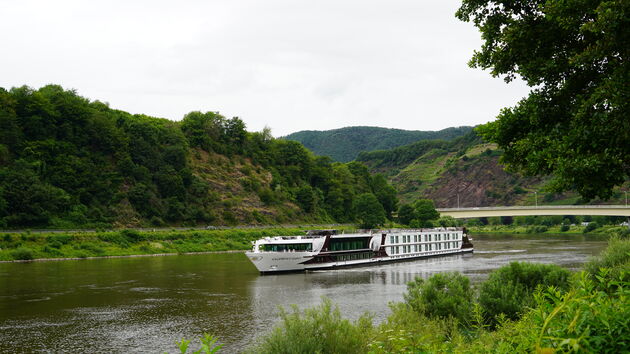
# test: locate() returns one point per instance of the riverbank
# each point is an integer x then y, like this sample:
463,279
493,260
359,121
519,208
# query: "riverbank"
27,246
542,229
88,244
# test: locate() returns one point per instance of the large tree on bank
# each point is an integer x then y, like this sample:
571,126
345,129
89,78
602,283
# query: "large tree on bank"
575,123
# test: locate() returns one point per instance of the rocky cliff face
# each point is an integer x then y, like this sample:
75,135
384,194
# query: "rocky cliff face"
480,182
470,170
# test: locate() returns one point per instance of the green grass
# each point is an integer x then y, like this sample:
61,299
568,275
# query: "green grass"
26,246
524,229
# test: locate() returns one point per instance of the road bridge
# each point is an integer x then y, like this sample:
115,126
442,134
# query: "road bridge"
608,210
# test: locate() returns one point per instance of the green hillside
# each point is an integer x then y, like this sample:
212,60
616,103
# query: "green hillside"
66,161
466,166
345,144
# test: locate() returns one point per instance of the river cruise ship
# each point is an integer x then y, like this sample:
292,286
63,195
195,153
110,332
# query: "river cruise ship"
325,249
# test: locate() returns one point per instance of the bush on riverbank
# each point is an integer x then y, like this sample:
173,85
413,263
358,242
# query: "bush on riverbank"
22,253
317,330
587,312
509,290
441,296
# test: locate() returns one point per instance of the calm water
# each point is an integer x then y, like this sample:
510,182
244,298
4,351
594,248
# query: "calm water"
146,304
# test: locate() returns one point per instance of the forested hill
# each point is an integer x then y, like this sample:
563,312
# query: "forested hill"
466,166
66,161
345,144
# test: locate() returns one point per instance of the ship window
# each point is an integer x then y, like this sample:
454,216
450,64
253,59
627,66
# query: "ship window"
348,244
391,239
291,247
397,240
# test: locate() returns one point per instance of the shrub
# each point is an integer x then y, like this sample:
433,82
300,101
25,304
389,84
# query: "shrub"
52,251
509,289
615,257
441,296
91,247
23,253
317,330
405,331
132,235
62,238
591,226
114,237
584,320
538,229
564,228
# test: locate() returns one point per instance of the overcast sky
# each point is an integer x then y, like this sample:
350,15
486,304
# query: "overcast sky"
288,64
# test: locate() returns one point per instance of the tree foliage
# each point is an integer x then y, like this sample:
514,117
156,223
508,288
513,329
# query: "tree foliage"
442,295
68,161
369,212
574,123
418,214
510,289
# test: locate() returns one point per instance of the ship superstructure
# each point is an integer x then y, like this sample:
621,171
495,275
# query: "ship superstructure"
322,249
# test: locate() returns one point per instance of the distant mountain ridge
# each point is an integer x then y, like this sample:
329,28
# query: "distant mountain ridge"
345,144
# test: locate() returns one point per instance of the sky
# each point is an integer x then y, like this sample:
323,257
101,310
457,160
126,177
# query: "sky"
289,65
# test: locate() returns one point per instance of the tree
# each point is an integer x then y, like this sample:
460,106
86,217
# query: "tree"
418,214
369,211
406,213
574,123
385,193
425,211
305,198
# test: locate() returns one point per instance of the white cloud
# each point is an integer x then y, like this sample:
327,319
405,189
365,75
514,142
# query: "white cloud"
291,65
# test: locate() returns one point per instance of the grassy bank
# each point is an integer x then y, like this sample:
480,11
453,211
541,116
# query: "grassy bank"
555,229
28,246
522,307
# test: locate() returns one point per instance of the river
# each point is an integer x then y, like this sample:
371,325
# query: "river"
145,304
